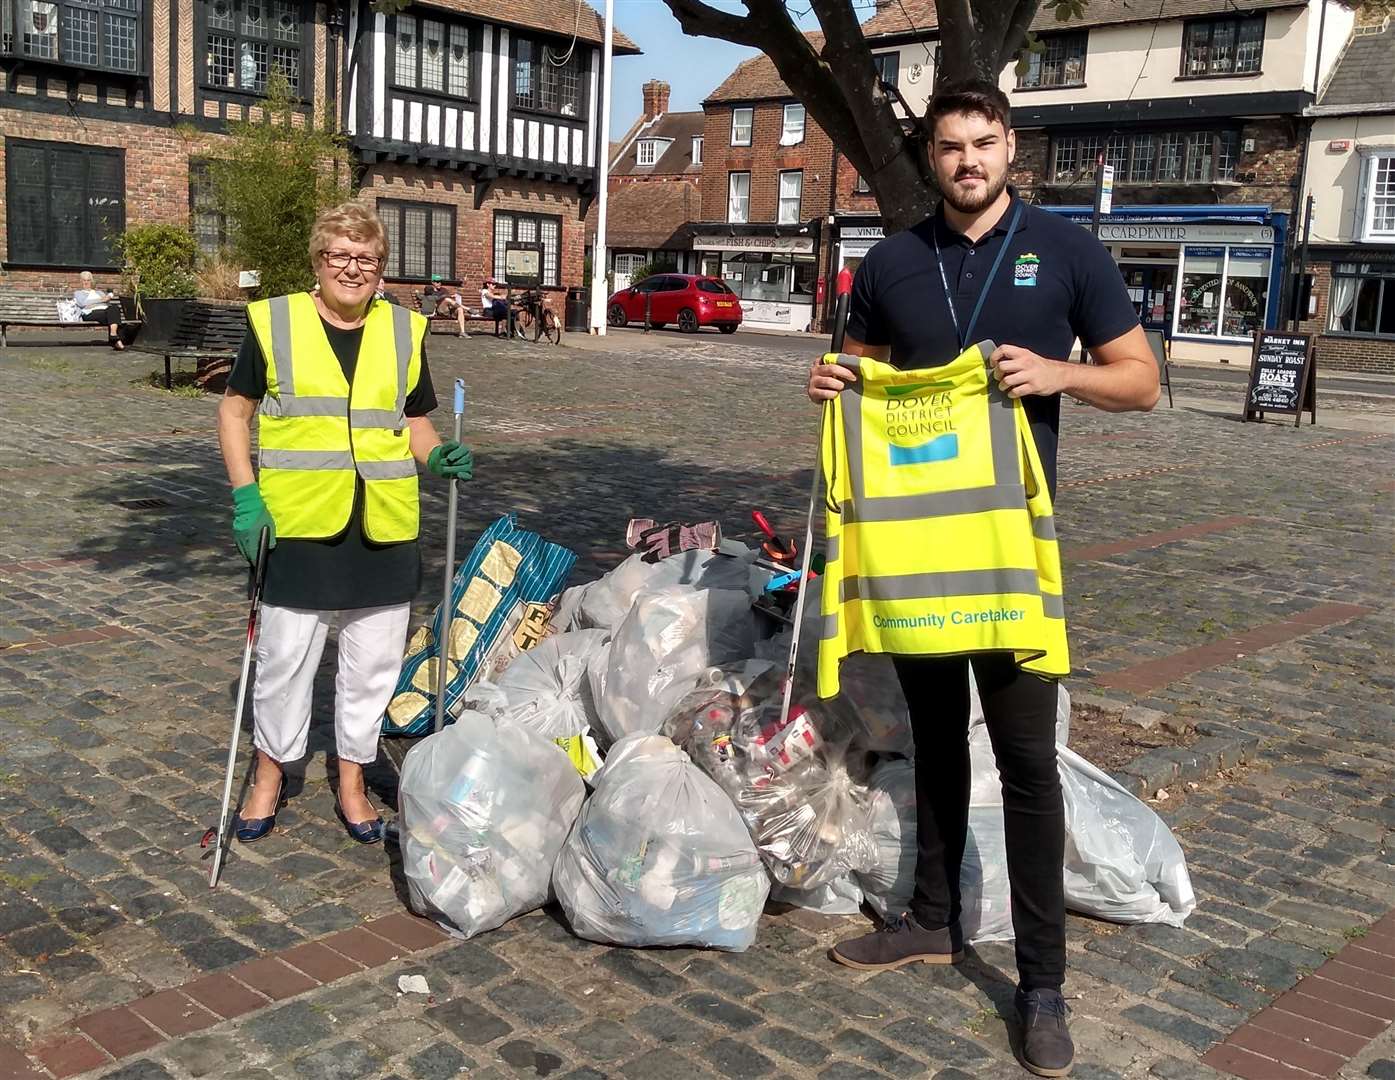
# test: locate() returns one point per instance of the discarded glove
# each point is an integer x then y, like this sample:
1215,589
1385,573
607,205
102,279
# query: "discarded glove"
250,516
656,542
452,461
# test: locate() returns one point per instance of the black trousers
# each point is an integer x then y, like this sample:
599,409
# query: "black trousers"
1020,710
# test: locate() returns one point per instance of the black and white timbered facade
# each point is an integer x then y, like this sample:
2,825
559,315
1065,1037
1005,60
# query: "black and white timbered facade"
438,87
474,124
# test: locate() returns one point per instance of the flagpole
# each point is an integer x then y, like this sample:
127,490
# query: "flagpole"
599,295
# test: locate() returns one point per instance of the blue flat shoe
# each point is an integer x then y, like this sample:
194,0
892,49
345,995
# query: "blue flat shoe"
364,832
250,830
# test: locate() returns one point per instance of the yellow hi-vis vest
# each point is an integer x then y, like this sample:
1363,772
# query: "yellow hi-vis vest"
317,433
941,539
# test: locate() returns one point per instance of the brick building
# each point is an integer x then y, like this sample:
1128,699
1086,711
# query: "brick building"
1350,172
473,126
655,169
767,190
1199,112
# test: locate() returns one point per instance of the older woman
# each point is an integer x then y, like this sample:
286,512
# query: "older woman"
339,382
97,306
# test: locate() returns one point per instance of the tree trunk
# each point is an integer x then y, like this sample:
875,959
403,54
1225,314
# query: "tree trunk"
838,85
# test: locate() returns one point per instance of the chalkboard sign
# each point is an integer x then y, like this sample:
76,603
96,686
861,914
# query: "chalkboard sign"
1282,378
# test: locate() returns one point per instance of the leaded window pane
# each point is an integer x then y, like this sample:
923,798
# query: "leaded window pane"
433,55
458,62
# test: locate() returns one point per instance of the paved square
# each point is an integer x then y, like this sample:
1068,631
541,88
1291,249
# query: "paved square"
1235,578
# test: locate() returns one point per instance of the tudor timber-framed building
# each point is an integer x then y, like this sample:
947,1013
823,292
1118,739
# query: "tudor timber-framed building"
472,125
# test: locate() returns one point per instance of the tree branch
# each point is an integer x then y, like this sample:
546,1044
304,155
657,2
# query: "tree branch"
702,20
1015,36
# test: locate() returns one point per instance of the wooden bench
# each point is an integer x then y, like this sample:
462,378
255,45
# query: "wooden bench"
428,306
205,331
41,310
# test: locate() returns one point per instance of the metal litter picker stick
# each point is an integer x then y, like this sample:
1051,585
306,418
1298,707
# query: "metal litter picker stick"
443,645
258,578
840,320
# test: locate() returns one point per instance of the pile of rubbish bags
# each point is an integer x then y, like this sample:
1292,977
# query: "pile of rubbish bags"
623,754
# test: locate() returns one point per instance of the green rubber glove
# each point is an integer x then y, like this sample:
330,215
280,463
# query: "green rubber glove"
250,516
451,461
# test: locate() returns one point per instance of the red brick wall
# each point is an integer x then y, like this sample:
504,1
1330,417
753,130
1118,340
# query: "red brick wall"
1339,353
765,159
848,200
157,178
474,229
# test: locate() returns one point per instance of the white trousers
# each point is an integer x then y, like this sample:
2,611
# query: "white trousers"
289,644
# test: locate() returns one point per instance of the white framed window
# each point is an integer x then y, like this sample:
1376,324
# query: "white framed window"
647,153
1378,197
697,149
738,197
792,133
1362,299
888,65
742,120
791,190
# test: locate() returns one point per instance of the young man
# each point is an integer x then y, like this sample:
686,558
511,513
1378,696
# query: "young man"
913,306
447,303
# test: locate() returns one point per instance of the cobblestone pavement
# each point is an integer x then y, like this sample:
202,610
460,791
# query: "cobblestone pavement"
1186,532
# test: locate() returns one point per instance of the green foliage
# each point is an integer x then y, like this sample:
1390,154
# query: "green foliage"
274,176
158,260
660,265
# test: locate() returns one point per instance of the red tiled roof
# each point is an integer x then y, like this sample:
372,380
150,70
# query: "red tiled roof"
756,79
900,17
647,214
676,159
546,15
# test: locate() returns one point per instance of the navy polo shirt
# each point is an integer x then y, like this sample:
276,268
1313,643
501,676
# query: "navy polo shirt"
1055,283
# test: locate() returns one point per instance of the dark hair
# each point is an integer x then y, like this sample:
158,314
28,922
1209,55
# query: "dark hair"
971,96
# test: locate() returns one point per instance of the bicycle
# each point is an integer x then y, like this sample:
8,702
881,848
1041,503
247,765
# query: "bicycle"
530,311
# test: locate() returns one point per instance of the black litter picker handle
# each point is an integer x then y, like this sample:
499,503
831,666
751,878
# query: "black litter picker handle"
258,576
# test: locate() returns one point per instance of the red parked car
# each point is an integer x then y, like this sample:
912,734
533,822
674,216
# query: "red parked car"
690,300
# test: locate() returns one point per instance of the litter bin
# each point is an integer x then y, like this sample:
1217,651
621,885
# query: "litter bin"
578,310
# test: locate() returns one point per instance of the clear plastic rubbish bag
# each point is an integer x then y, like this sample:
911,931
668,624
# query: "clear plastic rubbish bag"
841,896
607,601
807,814
1122,861
659,856
486,805
986,912
663,646
546,689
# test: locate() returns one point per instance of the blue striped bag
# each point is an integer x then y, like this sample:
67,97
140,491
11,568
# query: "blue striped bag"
504,594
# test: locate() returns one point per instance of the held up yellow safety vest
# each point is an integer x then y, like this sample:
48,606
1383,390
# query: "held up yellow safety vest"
317,433
941,539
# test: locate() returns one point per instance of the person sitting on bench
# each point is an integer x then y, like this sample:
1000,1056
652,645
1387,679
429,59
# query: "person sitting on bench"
449,305
97,307
493,305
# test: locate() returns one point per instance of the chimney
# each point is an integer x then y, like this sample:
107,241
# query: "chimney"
655,98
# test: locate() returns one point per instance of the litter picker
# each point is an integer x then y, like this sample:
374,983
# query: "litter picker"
254,591
443,642
840,325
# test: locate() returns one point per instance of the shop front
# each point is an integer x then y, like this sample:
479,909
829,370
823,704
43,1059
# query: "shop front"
856,237
1207,276
775,276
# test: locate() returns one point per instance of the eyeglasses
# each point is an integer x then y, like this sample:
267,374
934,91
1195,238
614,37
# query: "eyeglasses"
339,260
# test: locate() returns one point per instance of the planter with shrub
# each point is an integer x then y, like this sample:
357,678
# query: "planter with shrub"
160,261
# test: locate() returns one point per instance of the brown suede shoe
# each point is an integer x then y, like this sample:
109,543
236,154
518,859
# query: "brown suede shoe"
901,941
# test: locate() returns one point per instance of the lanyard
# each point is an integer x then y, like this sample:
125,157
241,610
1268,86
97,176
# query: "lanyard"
966,335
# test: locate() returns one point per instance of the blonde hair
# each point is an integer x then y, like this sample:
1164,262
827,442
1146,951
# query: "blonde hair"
352,221
86,275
